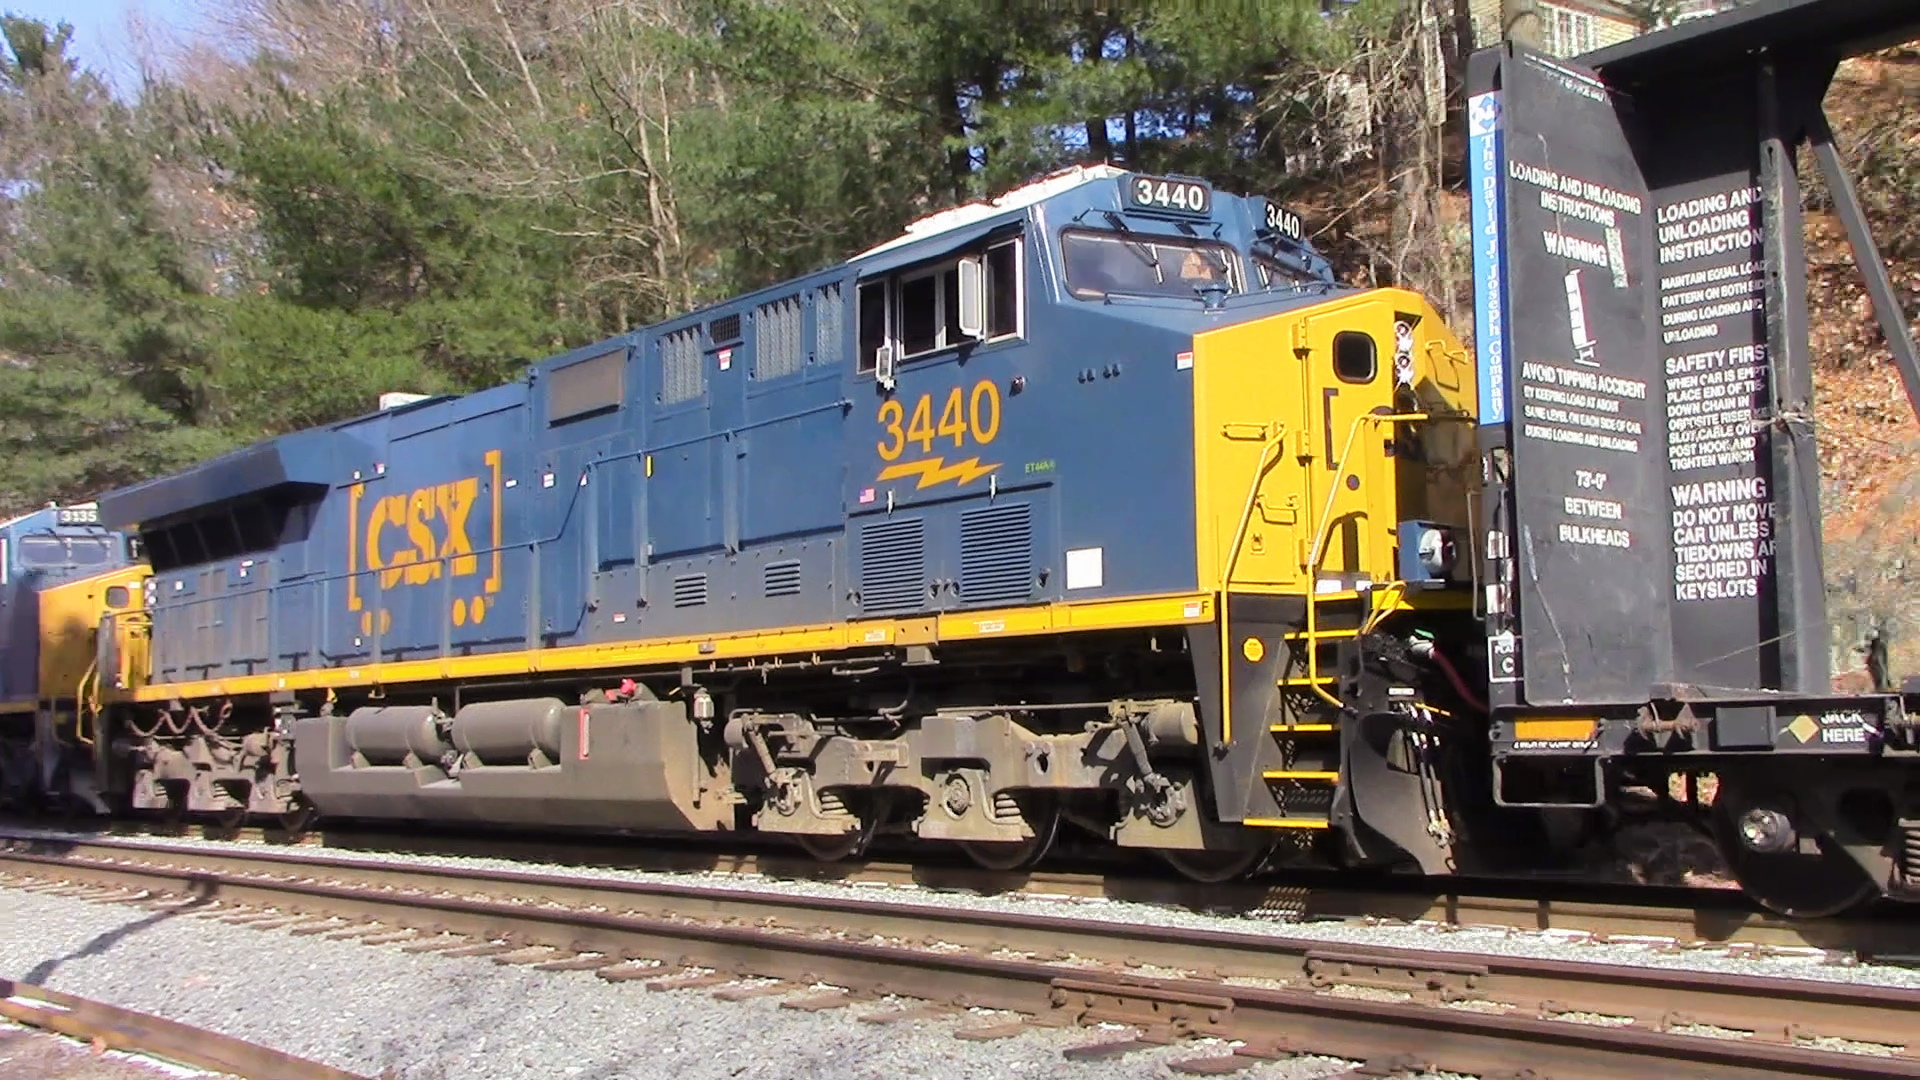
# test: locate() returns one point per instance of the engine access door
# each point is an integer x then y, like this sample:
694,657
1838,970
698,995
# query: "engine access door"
1348,368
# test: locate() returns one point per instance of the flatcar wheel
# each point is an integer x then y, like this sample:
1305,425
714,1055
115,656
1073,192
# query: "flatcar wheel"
1214,867
1795,883
1045,820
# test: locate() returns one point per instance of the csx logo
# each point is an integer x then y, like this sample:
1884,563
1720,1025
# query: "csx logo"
433,521
416,537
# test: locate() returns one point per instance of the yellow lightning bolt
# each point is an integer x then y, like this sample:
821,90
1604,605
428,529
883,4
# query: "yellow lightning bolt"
932,471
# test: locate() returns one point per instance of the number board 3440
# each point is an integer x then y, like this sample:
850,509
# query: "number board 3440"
1168,195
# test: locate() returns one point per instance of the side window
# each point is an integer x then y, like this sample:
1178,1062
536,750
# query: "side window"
1003,289
117,597
1354,357
950,307
873,322
919,314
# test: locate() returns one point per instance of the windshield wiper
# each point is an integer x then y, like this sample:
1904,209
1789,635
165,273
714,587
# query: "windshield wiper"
1141,250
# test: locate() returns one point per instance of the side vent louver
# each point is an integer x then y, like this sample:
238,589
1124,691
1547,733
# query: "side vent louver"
724,329
682,378
996,554
689,590
893,566
781,579
777,347
828,310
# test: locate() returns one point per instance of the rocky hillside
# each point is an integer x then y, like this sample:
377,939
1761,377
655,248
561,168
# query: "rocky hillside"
1868,435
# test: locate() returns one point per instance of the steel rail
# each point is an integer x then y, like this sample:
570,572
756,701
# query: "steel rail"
1710,917
116,1028
1028,963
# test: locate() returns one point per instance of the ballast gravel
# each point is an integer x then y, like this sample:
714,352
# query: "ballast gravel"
1898,972
372,1008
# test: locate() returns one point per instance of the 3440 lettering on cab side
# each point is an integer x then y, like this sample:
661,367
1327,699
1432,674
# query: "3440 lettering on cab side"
968,417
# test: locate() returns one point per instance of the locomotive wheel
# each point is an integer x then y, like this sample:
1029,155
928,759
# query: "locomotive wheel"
847,845
174,814
1045,819
1792,882
1214,867
297,821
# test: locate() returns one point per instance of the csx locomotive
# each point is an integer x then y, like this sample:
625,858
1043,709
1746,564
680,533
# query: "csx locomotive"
1098,506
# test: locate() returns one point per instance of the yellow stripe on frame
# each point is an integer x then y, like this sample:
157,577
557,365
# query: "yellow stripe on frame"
1132,613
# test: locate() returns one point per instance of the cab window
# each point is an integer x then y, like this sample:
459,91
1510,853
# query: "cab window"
1133,264
1275,274
1003,290
918,311
64,551
876,324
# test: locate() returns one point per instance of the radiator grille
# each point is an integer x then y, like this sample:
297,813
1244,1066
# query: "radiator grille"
689,590
777,339
781,579
893,565
996,554
828,312
682,377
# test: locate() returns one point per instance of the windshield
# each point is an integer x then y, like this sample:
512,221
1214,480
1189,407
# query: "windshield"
1099,263
1277,274
58,551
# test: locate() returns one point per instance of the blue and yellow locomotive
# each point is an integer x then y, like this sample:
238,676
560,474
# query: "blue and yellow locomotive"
1072,506
56,564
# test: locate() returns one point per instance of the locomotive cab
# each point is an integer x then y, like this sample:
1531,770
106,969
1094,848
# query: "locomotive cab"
46,636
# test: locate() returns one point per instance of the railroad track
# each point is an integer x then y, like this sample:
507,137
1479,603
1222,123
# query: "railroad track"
1398,1010
1684,916
110,1027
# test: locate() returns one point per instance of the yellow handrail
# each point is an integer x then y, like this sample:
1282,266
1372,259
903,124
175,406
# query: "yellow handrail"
1325,529
85,701
1226,577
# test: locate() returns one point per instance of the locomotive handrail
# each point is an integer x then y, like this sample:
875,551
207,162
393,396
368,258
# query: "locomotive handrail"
1226,573
84,702
1324,529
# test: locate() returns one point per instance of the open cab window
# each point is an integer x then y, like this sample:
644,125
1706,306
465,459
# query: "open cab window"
1136,264
973,298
